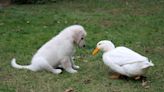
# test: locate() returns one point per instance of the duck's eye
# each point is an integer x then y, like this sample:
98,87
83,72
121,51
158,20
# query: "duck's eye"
99,44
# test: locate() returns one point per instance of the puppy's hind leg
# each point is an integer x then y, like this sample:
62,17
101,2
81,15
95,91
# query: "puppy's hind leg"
45,65
73,63
67,65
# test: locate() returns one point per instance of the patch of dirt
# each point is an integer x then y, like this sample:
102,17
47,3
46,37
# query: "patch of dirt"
87,81
106,23
6,77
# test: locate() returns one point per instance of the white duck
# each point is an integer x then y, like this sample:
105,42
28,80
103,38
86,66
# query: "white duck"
122,60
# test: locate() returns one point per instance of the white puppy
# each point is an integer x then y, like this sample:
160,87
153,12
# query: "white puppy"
58,51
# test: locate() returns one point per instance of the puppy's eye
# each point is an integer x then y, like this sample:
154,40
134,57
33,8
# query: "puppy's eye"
82,38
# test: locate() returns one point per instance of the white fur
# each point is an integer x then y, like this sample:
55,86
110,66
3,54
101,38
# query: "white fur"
57,52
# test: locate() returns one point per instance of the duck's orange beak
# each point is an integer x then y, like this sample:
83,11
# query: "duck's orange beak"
95,51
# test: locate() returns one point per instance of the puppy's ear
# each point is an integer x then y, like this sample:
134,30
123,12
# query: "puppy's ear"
77,36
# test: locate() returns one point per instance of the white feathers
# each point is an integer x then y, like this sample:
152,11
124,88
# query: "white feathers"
123,60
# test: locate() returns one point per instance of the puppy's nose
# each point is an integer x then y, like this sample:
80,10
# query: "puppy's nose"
83,45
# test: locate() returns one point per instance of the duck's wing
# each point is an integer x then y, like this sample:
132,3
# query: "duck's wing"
123,56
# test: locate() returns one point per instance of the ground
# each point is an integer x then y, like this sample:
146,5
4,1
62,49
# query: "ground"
136,24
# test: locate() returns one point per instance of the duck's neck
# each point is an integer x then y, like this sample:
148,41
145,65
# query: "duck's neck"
108,49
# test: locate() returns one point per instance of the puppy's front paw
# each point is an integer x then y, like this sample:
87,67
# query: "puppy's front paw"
57,71
71,71
76,67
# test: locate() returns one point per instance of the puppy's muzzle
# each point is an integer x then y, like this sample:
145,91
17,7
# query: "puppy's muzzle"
82,45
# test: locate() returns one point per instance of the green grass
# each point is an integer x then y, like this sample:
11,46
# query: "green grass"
137,24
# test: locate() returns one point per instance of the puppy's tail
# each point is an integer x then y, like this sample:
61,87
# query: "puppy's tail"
15,65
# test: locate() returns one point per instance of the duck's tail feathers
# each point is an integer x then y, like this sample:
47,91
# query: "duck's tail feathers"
147,63
151,63
15,65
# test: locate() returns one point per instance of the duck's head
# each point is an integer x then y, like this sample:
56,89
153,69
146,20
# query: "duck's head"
104,45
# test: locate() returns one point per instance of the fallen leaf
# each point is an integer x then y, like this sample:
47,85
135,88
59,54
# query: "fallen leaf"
70,89
145,84
147,87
